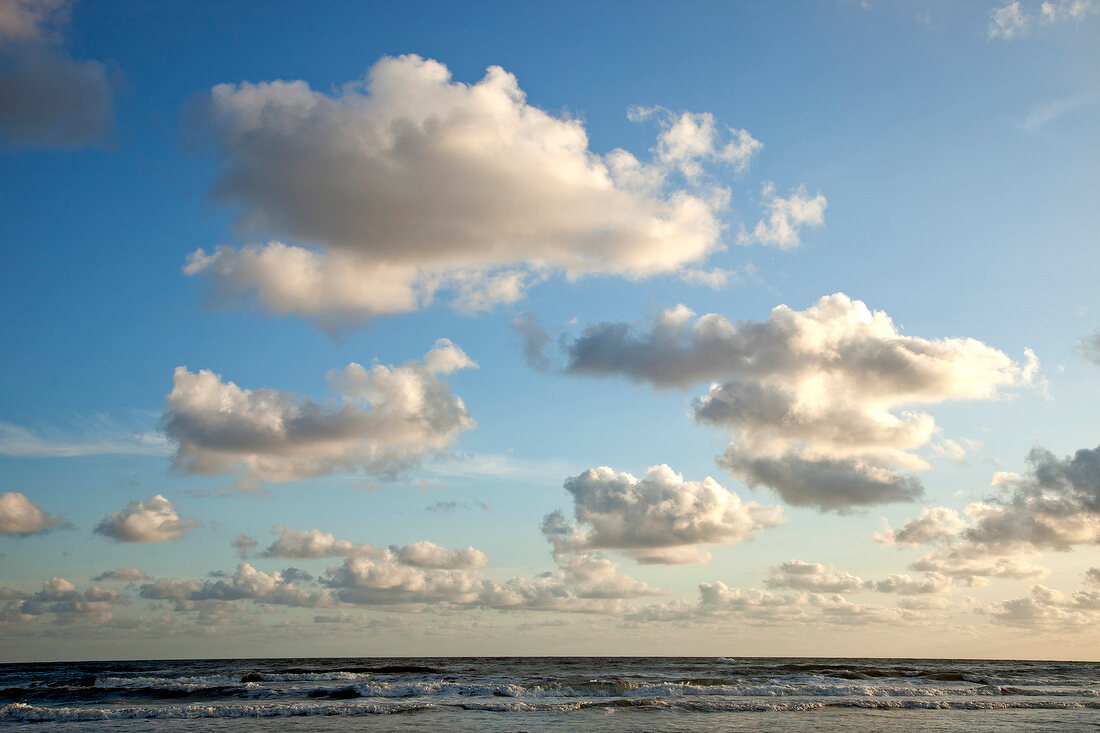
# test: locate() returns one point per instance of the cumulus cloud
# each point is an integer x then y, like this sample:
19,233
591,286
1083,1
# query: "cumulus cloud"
933,524
68,605
426,554
1008,21
657,519
313,543
688,139
129,575
247,583
1045,606
812,576
48,99
1054,507
782,225
387,581
905,585
818,401
584,583
155,520
19,515
407,185
244,545
388,417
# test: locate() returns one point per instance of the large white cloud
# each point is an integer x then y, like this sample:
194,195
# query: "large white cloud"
388,417
48,99
407,184
155,520
660,518
819,401
19,515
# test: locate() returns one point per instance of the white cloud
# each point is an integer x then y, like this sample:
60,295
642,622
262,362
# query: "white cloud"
155,520
812,576
660,512
1066,11
19,515
906,585
813,398
783,223
426,554
933,524
128,575
388,417
1043,114
688,139
313,543
48,99
387,581
407,185
1008,22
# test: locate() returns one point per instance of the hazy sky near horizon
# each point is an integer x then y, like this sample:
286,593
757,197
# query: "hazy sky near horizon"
521,328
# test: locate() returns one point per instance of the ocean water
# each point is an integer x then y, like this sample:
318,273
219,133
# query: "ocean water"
491,694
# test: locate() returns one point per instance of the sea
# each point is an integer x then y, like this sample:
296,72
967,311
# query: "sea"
498,694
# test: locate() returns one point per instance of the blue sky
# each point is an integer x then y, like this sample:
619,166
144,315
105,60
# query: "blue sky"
442,262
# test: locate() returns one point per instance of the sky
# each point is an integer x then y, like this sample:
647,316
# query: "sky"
489,328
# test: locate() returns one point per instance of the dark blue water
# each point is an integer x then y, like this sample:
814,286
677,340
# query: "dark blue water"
553,693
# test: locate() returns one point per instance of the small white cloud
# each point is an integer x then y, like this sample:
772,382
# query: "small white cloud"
155,520
785,218
1008,22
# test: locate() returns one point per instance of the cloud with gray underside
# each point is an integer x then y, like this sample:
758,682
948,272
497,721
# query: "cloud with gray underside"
406,188
47,98
1055,506
658,519
820,404
387,417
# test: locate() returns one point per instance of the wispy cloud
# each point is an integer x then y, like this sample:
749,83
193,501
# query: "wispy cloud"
1052,110
493,465
98,436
